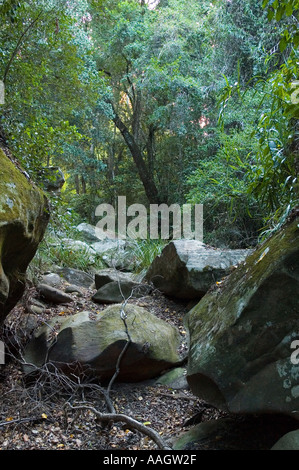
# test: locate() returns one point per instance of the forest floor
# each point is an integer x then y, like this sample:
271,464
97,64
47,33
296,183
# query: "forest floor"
40,414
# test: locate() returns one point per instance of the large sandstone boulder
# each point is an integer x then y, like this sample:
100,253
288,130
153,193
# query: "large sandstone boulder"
186,269
24,215
242,332
118,291
94,344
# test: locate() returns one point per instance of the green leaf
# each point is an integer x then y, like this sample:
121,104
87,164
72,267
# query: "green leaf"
296,39
283,44
289,9
270,14
279,13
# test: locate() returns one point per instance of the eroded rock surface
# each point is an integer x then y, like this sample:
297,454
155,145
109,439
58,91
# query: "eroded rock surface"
186,269
242,332
24,215
93,345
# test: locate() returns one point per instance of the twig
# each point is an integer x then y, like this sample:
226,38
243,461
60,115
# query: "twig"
177,396
123,316
115,417
19,420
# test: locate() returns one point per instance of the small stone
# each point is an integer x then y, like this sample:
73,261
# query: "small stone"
76,277
73,289
36,309
38,303
104,276
54,295
51,279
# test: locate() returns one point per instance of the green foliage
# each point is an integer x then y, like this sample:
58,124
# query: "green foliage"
272,176
144,252
43,63
275,175
83,205
289,9
167,74
41,144
220,183
51,254
53,251
150,61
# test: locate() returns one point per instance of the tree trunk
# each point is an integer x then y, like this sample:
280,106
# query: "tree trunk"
145,176
83,185
150,145
136,115
77,184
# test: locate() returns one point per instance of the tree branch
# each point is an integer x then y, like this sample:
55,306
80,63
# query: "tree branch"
123,317
16,49
146,177
116,417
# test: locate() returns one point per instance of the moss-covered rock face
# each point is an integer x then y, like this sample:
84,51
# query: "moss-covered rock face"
243,331
24,215
94,344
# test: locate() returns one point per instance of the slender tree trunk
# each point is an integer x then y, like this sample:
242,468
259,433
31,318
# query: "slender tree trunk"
136,116
83,184
77,184
150,144
145,176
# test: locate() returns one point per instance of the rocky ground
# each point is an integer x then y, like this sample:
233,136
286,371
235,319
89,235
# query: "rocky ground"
41,414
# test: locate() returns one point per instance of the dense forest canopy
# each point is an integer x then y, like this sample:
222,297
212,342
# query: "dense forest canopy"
168,101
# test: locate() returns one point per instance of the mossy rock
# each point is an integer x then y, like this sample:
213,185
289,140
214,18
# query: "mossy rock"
241,332
24,215
93,345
